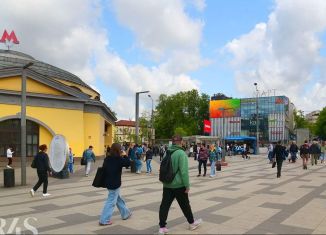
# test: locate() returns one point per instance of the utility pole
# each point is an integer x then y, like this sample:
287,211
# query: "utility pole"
137,114
23,124
257,120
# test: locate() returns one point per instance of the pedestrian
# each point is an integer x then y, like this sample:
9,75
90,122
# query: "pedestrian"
304,154
195,149
323,152
9,157
149,157
270,152
178,188
112,169
293,152
71,161
89,157
139,152
212,160
43,168
314,151
202,159
278,154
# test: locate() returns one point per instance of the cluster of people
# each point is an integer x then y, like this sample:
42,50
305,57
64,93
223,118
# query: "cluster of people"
208,153
279,153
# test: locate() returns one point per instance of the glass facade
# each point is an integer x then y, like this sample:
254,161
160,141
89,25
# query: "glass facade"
273,119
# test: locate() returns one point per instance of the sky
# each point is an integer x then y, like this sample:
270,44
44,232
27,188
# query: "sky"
120,47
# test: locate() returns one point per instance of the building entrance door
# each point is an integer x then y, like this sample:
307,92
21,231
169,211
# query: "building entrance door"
10,136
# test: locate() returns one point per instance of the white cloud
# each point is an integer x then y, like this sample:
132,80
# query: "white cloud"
283,53
71,35
164,30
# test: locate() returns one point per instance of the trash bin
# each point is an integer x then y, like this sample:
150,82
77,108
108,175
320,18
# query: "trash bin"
133,166
9,177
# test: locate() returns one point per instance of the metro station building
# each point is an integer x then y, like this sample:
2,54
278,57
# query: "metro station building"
58,102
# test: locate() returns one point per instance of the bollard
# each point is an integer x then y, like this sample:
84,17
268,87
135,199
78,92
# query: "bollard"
9,178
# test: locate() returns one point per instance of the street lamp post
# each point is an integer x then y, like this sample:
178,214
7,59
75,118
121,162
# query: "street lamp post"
137,114
23,124
257,120
152,117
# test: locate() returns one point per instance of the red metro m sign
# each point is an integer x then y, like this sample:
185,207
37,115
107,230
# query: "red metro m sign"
9,38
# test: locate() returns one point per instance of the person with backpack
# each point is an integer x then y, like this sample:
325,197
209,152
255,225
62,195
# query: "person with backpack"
174,174
203,157
212,159
89,157
293,152
304,154
139,152
314,151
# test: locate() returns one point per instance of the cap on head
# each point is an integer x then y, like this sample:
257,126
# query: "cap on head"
176,139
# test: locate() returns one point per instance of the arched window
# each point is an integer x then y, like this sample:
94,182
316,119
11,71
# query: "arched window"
10,136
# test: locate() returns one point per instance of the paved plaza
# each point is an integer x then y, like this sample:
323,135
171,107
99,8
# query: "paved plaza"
246,197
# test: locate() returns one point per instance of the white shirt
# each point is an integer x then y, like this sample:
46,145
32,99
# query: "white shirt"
9,153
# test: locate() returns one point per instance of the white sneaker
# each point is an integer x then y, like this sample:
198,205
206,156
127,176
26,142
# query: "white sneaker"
195,224
86,175
9,167
163,231
46,194
32,192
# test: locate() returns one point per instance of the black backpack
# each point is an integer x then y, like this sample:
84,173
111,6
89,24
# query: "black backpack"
166,170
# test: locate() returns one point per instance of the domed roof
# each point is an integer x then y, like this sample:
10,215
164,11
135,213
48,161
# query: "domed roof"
9,58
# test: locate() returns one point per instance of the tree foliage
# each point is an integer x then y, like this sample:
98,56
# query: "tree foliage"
299,120
181,113
320,126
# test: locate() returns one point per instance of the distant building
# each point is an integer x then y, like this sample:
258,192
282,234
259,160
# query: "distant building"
313,116
125,131
237,117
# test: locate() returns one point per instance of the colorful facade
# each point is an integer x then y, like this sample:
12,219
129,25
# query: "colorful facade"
238,117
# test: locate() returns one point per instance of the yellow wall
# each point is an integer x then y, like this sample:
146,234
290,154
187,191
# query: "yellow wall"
68,123
45,136
8,110
85,90
108,140
94,132
14,84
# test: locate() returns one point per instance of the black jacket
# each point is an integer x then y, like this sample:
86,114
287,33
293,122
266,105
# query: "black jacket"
314,149
112,166
278,151
42,162
294,148
149,154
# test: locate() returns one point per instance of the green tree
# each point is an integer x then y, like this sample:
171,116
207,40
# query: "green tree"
320,127
183,111
299,120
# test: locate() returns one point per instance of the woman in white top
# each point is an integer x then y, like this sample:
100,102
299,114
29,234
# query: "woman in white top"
9,156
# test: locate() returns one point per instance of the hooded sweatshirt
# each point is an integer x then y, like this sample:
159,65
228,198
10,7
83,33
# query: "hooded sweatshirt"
180,165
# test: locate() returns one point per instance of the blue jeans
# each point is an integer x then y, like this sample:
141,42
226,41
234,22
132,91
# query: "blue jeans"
138,165
148,165
322,157
213,168
71,167
114,199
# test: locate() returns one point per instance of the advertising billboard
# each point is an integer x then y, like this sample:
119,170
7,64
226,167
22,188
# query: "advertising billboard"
207,126
224,108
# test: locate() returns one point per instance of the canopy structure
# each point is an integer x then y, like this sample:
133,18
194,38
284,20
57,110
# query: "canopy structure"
240,138
247,139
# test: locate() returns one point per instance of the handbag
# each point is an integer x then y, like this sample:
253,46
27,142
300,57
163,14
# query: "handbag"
99,180
33,165
83,161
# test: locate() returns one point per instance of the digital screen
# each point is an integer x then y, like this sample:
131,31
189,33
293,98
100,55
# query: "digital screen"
224,108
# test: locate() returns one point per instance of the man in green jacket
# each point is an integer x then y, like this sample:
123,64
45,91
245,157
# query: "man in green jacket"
178,188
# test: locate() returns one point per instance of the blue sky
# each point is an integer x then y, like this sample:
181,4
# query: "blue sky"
120,47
